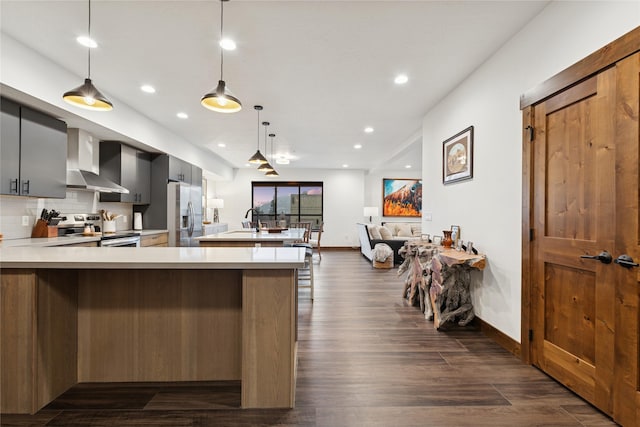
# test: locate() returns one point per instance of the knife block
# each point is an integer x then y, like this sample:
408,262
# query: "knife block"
41,229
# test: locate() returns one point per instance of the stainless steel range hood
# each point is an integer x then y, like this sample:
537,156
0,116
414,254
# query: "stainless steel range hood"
82,164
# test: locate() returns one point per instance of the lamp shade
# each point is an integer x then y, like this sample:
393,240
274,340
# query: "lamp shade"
215,203
371,211
221,100
89,97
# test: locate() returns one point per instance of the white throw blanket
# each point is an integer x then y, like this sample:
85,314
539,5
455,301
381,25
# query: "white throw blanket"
381,252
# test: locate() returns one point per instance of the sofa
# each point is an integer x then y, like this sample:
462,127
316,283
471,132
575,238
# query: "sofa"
393,234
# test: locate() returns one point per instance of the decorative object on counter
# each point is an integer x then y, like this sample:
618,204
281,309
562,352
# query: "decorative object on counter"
470,248
371,211
87,96
459,245
447,241
216,204
221,99
401,197
455,234
258,158
457,157
437,240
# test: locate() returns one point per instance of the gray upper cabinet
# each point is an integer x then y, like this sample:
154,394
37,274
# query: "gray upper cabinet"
34,152
128,167
179,170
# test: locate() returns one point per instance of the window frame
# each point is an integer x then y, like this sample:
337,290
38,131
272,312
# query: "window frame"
291,217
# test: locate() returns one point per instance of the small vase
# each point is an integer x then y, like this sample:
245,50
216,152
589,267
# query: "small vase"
447,242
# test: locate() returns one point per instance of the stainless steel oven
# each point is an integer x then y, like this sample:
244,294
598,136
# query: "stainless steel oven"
121,240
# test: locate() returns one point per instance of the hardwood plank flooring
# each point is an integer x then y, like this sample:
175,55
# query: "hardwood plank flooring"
365,358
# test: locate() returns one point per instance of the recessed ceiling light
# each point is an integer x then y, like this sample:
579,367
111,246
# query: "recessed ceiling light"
86,41
222,145
148,88
408,166
182,115
228,44
401,79
368,129
345,165
357,146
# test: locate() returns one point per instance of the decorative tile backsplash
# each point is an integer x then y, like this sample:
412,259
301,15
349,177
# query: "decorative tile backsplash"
13,208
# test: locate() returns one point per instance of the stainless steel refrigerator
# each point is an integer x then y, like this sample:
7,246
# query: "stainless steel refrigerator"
184,214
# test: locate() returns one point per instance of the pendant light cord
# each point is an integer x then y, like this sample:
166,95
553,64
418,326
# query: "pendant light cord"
258,129
221,35
89,48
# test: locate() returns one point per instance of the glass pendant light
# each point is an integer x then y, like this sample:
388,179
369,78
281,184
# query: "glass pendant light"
273,173
87,96
258,158
265,167
221,99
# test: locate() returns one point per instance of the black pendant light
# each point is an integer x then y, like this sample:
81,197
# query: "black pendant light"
87,95
273,173
265,167
258,158
221,99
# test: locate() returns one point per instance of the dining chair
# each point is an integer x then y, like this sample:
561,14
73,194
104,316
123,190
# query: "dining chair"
315,243
305,274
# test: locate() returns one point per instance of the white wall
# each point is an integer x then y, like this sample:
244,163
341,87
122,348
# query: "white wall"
343,199
488,208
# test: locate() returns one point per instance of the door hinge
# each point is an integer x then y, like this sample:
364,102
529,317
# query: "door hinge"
531,132
530,334
531,234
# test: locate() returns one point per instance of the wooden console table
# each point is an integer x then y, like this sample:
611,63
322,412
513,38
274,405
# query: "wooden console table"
438,281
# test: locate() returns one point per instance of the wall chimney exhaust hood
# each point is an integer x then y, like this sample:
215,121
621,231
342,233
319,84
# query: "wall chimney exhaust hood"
82,164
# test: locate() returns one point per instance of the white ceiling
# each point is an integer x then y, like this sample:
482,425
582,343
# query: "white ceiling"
323,70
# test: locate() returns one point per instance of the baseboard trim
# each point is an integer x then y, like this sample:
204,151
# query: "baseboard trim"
503,340
340,248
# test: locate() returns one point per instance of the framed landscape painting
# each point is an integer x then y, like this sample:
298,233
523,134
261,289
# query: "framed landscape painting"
401,197
457,157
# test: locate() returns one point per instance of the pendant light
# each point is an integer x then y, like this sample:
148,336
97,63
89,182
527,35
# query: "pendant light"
221,99
265,167
258,158
273,173
87,95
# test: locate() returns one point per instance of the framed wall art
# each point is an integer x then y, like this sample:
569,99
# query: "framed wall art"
401,197
457,157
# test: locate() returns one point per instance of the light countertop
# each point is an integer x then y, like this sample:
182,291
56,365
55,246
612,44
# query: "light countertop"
250,235
65,240
152,258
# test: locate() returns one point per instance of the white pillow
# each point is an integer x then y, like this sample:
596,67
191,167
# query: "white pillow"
385,233
416,230
374,233
404,230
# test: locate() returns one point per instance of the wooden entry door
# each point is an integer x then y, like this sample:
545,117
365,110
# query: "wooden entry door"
585,187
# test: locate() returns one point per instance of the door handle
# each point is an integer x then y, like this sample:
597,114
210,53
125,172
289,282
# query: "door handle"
604,257
626,261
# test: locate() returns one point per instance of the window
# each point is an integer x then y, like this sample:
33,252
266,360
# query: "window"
288,201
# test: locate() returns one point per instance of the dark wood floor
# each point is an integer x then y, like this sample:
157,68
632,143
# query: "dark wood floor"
365,358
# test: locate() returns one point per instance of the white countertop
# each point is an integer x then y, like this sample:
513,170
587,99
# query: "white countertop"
65,240
250,235
152,258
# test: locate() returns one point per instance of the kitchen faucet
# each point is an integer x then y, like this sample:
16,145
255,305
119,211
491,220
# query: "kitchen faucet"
246,215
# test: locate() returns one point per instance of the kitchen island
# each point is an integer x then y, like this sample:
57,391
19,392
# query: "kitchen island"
73,315
249,237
